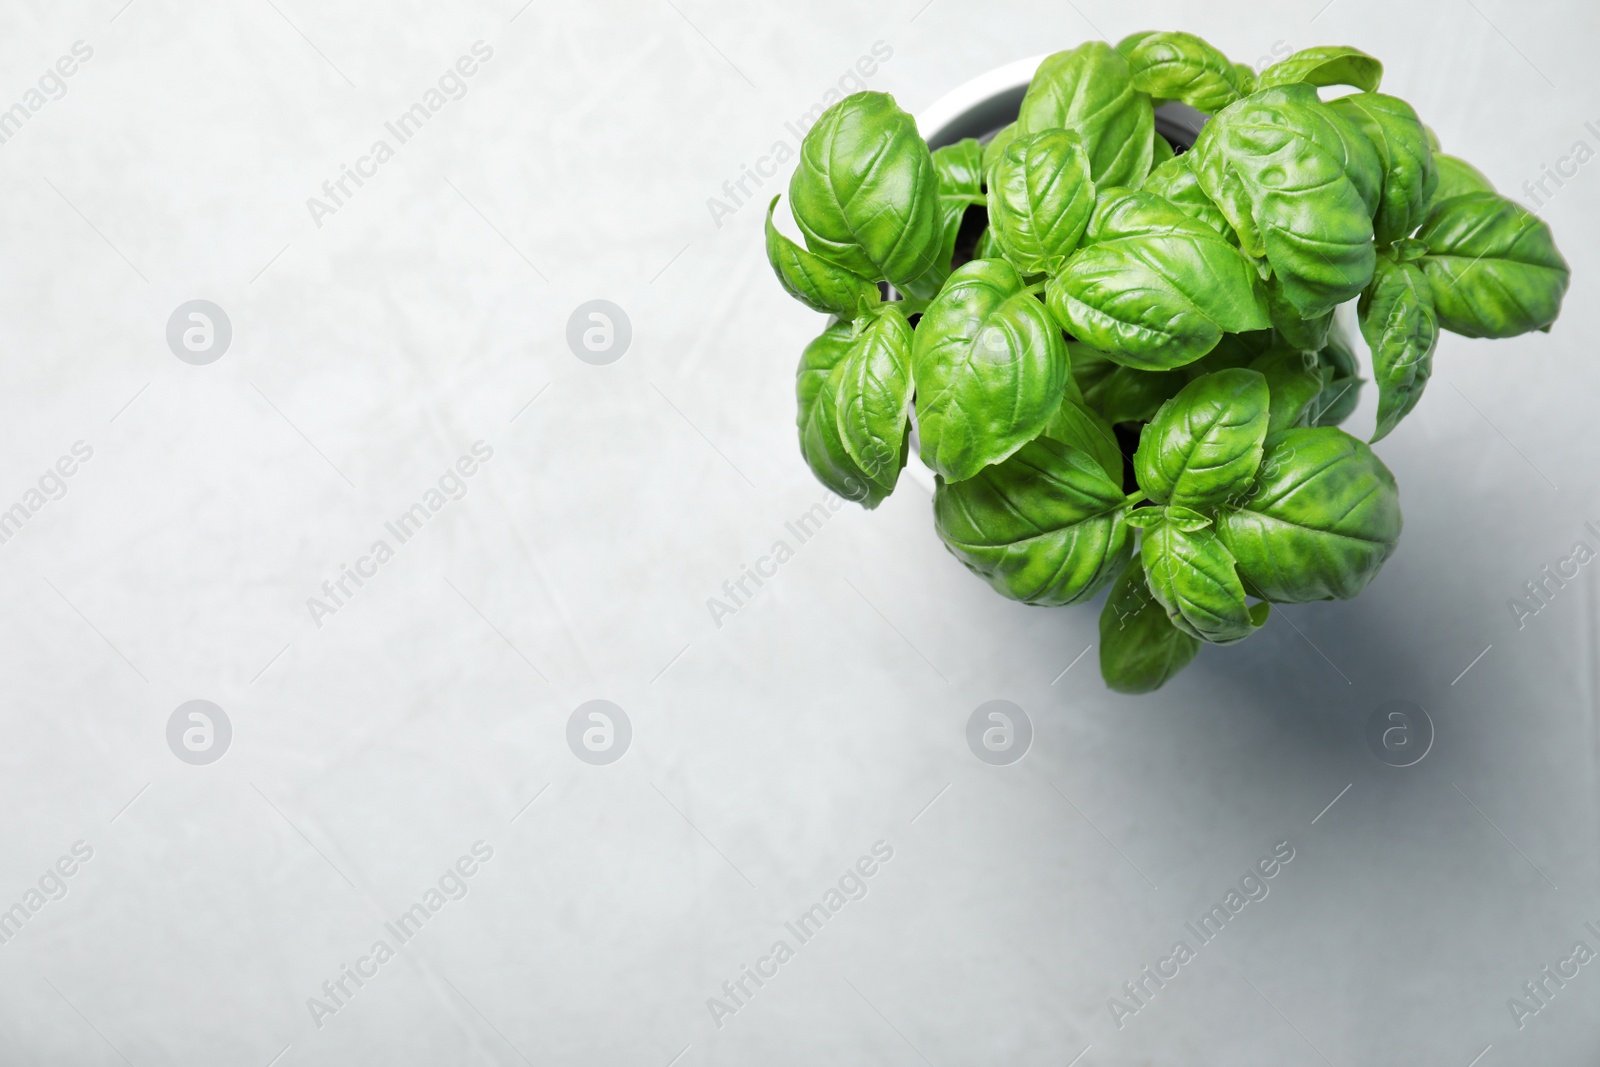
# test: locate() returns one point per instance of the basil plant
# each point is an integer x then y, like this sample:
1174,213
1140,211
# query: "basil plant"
1119,355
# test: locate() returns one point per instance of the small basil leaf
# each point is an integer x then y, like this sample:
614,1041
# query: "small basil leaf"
1152,288
1193,575
814,281
872,392
1341,381
997,144
1328,65
1145,518
1074,424
1409,178
1401,328
960,170
1457,177
1234,350
1275,163
1160,151
1294,378
1493,267
990,368
1291,327
1040,199
1181,66
1323,517
1140,649
1089,90
865,192
1204,445
988,247
1121,394
1042,527
1247,79
1186,519
1175,182
816,383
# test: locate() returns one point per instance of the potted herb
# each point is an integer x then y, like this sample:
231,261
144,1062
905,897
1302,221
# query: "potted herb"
1119,354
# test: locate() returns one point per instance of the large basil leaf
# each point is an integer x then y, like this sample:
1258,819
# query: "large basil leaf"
816,382
1294,379
1323,517
1409,178
1153,288
1175,182
1089,90
1117,393
814,281
1457,177
1327,65
1139,647
1075,424
1204,445
1401,328
1043,527
1493,267
990,368
865,192
1193,575
1275,163
1341,381
1040,199
872,393
1181,66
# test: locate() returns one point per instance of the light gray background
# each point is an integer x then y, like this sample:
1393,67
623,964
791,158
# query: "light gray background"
768,754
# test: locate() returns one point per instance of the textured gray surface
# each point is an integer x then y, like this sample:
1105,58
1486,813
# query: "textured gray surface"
370,753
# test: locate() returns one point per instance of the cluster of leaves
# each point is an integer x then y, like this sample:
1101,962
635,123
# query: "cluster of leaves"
1139,343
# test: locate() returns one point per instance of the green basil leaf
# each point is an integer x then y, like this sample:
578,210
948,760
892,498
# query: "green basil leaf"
865,192
816,386
1401,328
1291,327
990,368
1341,381
1042,527
1294,180
1076,425
1175,182
1493,267
1409,178
1040,199
997,144
1160,151
872,393
1234,350
814,281
1294,379
1089,90
1457,177
1247,79
1328,65
1117,393
1204,445
988,247
1151,287
1193,575
960,170
1323,517
1140,649
1181,66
